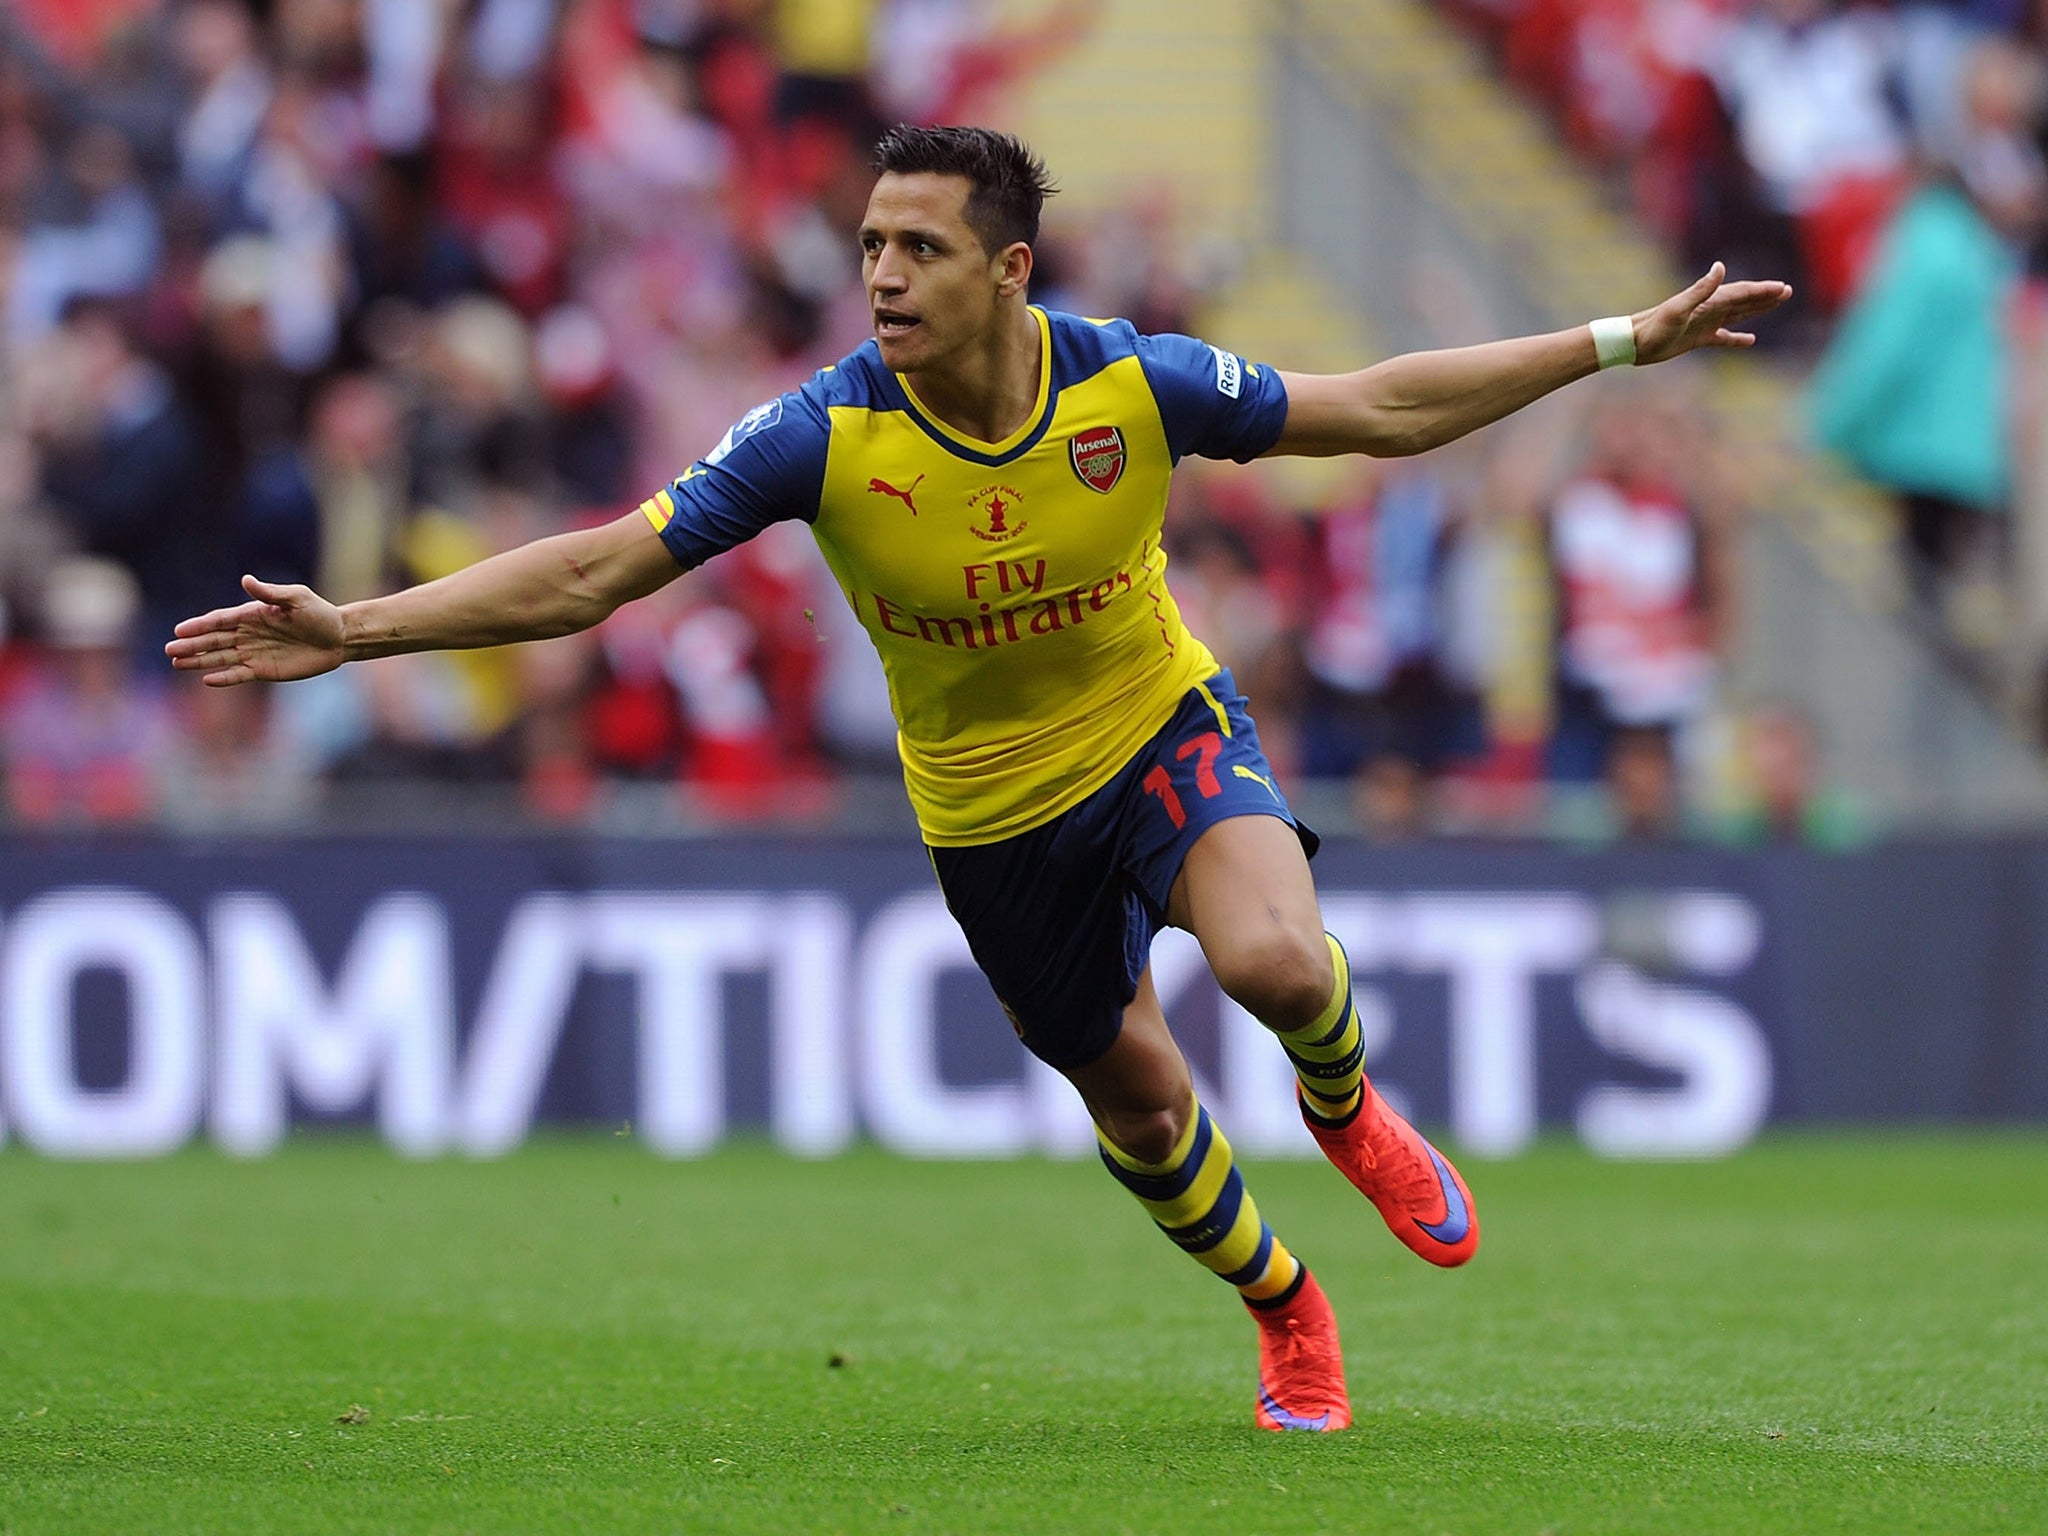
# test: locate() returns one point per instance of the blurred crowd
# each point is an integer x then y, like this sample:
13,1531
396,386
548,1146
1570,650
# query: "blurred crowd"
1889,159
353,292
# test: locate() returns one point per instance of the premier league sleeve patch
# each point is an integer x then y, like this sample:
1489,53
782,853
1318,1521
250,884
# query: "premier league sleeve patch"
1098,456
760,417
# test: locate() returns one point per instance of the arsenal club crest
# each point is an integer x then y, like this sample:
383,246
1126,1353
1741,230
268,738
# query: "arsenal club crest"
1098,457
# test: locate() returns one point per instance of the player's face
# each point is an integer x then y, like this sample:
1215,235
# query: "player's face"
932,289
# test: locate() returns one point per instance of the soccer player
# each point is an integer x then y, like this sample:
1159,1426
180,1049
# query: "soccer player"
987,480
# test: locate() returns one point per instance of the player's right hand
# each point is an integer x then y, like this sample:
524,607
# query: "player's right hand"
286,633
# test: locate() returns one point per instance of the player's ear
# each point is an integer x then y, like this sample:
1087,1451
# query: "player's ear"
1013,269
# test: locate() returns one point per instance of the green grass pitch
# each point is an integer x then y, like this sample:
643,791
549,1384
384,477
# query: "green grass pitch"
1827,1333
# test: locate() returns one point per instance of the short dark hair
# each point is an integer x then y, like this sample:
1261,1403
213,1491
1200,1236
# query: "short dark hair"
1007,183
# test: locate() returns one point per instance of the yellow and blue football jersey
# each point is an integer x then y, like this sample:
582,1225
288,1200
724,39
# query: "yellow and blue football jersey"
1015,590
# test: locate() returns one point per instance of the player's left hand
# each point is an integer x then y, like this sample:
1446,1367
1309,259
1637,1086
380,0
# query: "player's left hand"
1702,315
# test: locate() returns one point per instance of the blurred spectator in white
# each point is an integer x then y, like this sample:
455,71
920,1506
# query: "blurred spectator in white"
402,41
1813,92
509,39
82,740
230,84
1817,99
287,196
1640,555
93,233
1914,390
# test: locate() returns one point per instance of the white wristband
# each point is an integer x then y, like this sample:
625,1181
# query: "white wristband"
1614,341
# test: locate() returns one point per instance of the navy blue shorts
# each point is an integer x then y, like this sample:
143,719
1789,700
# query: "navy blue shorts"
1061,918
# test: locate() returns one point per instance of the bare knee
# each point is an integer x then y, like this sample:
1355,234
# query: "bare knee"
1146,1135
1283,977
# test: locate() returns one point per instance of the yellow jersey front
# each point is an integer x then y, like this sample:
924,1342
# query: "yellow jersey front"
1016,590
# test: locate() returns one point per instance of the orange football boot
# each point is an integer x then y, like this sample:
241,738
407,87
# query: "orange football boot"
1301,1369
1416,1189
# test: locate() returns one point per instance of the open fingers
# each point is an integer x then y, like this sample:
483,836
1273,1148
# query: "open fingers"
219,620
1748,298
193,648
1704,288
220,665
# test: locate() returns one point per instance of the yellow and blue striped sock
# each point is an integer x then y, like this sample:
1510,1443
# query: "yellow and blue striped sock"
1199,1200
1329,1052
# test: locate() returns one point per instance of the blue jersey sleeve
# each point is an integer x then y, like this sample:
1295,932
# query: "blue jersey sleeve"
1213,402
769,466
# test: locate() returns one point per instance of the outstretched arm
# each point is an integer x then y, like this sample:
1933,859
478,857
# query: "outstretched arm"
1426,399
550,587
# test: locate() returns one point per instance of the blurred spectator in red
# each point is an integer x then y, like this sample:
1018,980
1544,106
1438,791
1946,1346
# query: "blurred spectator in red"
1914,390
82,740
733,759
558,773
1641,559
500,185
632,719
77,31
